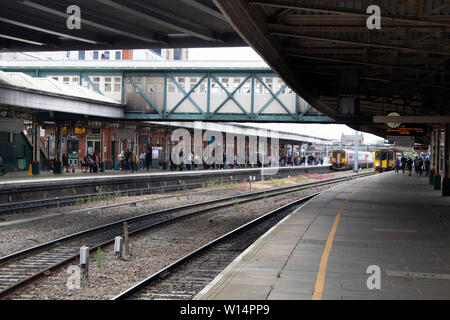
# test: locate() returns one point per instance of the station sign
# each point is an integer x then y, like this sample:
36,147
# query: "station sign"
76,130
421,147
11,125
404,141
72,137
407,130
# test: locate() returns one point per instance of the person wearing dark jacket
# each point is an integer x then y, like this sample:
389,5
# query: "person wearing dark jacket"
427,166
148,159
2,166
403,161
409,164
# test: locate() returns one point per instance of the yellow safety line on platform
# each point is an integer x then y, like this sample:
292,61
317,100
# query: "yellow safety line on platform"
320,280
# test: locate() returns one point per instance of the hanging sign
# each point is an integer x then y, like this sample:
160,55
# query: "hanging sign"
11,125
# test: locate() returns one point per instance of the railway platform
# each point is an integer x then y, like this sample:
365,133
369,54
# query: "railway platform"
385,236
16,188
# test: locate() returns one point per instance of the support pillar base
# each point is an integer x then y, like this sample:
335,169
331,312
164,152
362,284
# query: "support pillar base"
35,167
58,168
446,187
431,176
437,182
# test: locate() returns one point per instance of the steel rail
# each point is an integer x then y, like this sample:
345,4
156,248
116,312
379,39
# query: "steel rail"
146,282
252,196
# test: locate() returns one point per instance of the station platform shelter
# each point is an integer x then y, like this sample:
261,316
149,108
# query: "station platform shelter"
385,236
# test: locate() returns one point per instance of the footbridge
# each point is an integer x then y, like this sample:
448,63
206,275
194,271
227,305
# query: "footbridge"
183,90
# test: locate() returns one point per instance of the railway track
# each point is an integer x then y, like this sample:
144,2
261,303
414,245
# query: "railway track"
23,206
187,276
24,266
7,208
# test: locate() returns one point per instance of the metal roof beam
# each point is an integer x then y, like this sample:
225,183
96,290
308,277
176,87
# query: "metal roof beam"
289,31
341,11
30,22
245,18
95,20
293,53
161,17
208,10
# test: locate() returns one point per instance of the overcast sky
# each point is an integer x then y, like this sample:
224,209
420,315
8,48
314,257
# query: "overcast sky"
329,131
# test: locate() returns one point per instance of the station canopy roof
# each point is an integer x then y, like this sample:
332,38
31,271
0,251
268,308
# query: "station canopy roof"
49,85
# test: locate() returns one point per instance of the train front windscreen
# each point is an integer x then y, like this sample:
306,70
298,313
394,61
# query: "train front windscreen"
380,155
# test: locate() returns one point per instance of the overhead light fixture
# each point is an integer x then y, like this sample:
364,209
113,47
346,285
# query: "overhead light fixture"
21,40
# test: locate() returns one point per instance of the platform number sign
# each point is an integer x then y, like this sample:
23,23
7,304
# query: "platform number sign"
393,125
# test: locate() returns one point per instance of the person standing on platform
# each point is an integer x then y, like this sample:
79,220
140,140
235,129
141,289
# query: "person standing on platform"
403,161
189,160
397,165
148,159
2,166
409,164
181,154
142,160
127,159
427,166
132,160
65,162
420,166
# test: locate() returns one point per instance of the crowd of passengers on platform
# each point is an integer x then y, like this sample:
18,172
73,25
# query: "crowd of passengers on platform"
193,161
421,164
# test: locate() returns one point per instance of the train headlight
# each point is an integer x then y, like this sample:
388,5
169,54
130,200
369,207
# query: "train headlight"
377,165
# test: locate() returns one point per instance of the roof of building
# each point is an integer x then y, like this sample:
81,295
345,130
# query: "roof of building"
136,65
18,79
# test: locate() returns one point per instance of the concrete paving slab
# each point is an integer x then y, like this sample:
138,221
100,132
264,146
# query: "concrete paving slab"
394,222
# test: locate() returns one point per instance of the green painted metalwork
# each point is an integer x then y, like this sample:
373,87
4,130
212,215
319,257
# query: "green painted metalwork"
165,96
231,95
275,96
271,99
228,117
208,98
92,84
250,113
252,98
187,94
139,89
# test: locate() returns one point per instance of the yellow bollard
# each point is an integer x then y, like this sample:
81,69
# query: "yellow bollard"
30,170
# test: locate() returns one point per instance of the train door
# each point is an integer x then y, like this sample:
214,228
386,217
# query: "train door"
391,159
338,159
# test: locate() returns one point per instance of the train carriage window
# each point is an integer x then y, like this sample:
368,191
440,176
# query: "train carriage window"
390,155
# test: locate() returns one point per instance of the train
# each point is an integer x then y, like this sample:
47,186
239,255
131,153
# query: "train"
344,159
384,159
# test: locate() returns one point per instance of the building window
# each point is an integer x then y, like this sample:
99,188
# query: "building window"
118,55
177,53
117,84
96,81
95,55
108,84
181,82
224,83
193,82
